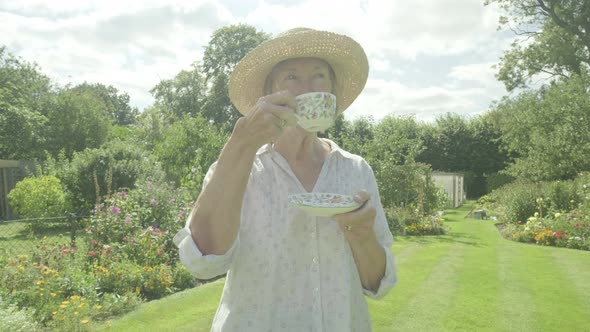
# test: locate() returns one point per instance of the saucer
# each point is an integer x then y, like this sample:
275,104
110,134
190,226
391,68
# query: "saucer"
323,204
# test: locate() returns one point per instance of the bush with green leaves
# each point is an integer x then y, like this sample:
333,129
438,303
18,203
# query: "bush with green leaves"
15,319
189,146
95,173
39,197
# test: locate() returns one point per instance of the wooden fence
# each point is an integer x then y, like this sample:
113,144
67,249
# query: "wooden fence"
11,171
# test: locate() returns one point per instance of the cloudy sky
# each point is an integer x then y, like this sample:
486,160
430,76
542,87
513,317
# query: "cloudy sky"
427,57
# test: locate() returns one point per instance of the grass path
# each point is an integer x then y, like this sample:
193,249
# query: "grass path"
469,280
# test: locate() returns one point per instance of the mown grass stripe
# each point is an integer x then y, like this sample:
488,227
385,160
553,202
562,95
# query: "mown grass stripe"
516,306
474,303
429,306
573,265
411,275
533,287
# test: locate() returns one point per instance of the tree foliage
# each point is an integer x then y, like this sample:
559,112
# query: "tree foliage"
183,95
188,148
79,119
117,103
548,130
24,92
557,39
226,48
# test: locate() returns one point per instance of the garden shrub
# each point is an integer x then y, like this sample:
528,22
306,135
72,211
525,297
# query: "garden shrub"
14,319
497,180
429,225
409,185
561,214
115,165
38,197
516,201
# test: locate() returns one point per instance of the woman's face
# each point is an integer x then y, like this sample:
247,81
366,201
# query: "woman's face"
302,75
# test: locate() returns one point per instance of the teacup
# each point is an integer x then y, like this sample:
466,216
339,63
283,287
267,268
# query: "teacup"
315,111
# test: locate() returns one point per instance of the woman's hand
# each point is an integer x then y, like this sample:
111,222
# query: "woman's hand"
266,122
357,225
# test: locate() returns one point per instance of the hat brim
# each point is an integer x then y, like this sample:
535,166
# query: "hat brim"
347,58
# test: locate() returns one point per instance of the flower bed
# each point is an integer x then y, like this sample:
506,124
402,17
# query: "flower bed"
124,256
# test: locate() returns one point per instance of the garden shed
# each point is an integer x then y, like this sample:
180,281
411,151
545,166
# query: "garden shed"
453,184
11,172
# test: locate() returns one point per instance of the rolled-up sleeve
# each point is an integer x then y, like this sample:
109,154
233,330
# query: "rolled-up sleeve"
202,266
385,239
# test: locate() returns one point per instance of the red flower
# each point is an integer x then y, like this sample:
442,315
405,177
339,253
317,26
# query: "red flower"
92,253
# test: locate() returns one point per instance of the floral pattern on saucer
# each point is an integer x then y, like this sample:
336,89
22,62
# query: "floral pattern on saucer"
323,204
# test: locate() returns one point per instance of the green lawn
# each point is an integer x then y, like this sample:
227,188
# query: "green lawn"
469,280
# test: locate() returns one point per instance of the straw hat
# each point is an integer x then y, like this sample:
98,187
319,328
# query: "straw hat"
346,57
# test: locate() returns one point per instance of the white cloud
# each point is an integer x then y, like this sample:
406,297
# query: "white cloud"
130,45
381,98
426,56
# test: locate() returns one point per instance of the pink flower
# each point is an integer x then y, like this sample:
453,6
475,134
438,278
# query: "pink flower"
93,241
128,220
153,202
115,210
123,194
160,251
92,253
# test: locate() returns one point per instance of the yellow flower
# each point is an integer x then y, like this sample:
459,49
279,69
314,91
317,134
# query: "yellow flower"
65,302
54,313
84,321
98,307
23,257
62,318
137,289
52,294
75,297
63,306
40,282
75,313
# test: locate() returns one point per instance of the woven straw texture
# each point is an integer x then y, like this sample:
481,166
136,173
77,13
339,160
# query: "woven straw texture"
346,57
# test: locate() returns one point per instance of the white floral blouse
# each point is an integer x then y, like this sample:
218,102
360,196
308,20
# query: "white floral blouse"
288,271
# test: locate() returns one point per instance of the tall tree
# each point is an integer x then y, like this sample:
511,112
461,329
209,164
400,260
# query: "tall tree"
226,48
78,120
448,144
556,43
548,130
24,94
183,95
117,103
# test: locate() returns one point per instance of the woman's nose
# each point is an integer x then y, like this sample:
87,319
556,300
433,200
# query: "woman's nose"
304,86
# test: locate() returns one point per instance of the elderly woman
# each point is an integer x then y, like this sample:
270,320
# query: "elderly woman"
288,270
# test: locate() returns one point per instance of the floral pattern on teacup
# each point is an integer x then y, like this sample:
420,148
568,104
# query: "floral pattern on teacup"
316,105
